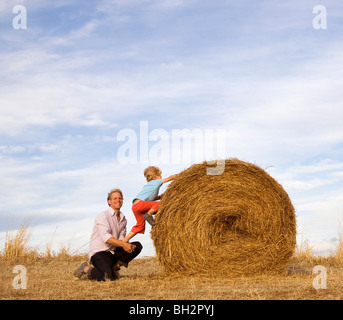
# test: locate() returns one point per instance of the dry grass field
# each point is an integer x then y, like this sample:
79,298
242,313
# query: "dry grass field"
50,277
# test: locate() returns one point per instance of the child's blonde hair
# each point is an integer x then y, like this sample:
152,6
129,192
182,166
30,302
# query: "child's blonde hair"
151,172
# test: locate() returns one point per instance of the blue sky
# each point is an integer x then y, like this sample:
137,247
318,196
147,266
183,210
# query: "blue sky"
83,71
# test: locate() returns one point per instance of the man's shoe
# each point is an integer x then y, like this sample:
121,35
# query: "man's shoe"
147,217
79,271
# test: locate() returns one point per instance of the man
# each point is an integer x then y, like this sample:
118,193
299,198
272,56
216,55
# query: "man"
107,250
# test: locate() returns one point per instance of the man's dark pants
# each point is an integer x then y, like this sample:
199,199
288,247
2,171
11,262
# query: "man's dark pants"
104,262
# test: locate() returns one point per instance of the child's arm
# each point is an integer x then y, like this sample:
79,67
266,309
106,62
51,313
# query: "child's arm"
169,178
164,181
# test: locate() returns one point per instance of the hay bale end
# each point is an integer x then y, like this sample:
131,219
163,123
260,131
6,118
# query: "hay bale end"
240,222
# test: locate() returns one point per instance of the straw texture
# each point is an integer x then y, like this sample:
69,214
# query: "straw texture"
240,222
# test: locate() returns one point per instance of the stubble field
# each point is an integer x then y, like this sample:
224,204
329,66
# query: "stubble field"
52,279
49,276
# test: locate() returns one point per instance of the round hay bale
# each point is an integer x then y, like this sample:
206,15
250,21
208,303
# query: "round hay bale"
240,222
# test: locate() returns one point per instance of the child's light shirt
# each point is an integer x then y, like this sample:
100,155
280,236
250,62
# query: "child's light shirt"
150,190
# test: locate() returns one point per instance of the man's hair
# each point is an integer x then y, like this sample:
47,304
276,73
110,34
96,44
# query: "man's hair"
114,191
151,172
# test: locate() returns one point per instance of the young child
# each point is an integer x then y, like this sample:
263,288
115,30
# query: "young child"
144,204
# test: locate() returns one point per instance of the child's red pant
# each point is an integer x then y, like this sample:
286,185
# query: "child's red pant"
139,209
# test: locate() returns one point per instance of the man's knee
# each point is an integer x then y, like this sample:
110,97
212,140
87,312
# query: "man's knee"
138,245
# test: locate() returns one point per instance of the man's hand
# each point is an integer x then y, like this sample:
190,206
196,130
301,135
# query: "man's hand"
128,247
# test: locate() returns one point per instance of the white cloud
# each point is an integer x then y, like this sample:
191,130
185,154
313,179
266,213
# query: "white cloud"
310,176
85,31
289,114
11,149
151,4
51,93
323,165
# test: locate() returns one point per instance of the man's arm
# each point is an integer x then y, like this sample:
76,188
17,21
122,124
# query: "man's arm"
119,243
